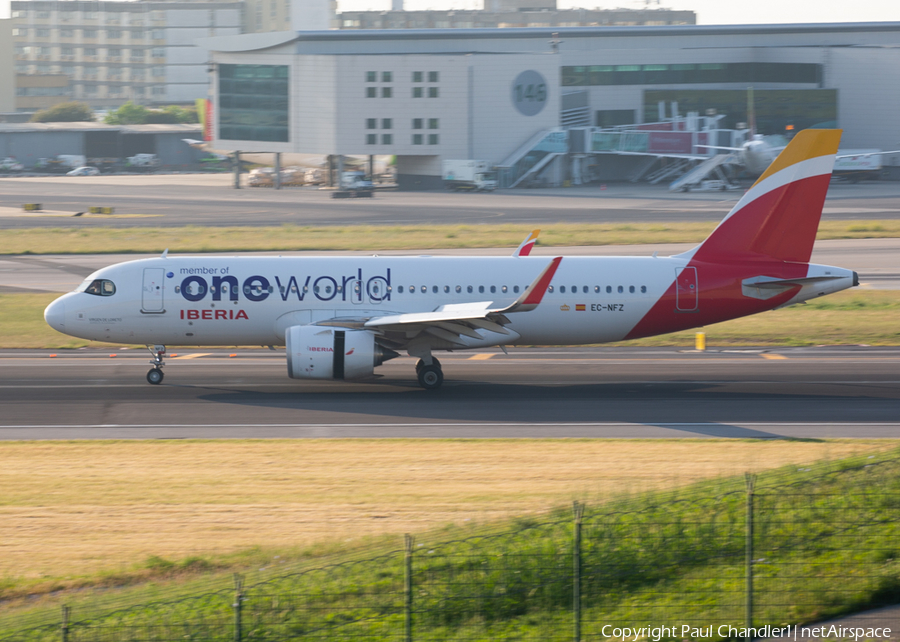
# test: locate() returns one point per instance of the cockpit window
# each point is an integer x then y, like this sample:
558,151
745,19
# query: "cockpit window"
99,287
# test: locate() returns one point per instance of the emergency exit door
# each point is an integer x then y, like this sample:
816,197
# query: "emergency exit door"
686,289
152,294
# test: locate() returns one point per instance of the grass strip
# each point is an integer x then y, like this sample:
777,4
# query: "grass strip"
193,239
824,545
854,317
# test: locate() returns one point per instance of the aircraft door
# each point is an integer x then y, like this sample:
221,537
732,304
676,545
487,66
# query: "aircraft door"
152,294
686,289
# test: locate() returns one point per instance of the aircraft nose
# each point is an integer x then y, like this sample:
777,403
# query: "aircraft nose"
55,315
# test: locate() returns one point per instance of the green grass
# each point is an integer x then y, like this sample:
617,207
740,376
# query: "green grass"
825,545
98,240
851,317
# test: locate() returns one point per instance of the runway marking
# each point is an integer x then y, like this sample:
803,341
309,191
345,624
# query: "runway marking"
773,356
481,356
192,356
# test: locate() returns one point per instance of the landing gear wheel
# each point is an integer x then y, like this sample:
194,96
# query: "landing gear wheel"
155,376
431,377
421,364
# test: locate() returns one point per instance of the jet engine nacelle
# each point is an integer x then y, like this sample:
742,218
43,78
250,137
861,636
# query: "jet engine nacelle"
320,352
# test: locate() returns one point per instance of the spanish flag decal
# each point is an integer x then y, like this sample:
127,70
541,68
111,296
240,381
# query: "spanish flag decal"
579,307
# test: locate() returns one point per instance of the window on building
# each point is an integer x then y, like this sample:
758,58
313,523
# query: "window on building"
417,76
432,123
432,76
137,34
387,139
432,92
159,90
158,71
67,51
42,33
19,32
432,139
89,33
371,92
417,139
66,33
387,123
371,123
115,34
386,76
417,92
371,139
386,92
371,76
254,102
159,34
158,53
417,123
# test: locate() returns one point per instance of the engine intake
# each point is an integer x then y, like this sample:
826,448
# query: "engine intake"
318,352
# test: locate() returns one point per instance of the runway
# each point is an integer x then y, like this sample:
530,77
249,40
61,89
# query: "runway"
806,393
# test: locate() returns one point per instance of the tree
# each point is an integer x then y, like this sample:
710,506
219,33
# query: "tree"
127,114
73,112
131,114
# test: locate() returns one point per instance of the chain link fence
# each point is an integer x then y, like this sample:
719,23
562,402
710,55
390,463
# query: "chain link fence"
789,548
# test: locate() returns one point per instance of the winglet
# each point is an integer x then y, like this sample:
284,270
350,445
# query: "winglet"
165,253
525,248
534,293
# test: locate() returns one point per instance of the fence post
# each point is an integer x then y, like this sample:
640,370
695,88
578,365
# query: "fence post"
65,623
578,510
238,599
407,587
748,553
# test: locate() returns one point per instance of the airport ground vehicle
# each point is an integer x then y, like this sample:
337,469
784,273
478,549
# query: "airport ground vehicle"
858,164
469,176
341,317
354,184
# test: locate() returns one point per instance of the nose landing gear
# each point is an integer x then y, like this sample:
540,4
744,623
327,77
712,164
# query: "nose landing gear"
155,375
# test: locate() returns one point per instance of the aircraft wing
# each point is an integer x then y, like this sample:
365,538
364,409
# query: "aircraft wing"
456,321
526,302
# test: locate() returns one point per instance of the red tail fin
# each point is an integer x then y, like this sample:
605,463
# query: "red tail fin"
779,216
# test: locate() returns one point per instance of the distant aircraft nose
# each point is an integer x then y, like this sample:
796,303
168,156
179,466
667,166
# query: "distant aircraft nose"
55,315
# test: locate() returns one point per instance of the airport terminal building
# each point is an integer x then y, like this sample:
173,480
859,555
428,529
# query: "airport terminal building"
502,95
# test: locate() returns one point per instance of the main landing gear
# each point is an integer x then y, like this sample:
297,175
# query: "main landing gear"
430,376
155,375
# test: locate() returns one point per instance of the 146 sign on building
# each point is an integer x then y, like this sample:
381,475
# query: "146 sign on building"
529,93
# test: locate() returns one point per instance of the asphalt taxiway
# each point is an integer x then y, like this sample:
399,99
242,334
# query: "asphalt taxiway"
174,200
809,393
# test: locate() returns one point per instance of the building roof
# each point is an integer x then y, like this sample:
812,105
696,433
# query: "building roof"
257,41
184,129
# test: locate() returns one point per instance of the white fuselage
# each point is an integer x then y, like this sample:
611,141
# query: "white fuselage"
198,300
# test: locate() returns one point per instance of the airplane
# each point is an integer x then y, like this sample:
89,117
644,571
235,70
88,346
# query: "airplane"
341,317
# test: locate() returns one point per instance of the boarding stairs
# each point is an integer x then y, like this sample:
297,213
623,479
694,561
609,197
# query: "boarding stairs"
710,166
529,159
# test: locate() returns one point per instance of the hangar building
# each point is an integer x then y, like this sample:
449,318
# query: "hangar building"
506,95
